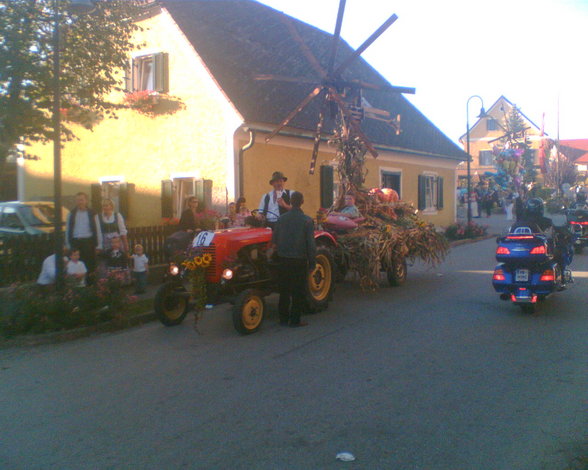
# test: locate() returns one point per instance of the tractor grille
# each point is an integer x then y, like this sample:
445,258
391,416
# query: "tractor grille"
211,270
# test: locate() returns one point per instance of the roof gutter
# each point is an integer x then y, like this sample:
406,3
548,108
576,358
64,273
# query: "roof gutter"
242,151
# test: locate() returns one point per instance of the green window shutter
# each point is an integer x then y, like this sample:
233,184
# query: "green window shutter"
167,200
422,203
96,197
134,84
128,76
326,188
161,82
440,193
204,193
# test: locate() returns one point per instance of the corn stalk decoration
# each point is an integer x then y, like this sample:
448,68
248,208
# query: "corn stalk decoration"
390,232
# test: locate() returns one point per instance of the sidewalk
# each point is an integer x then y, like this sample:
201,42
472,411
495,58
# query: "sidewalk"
497,223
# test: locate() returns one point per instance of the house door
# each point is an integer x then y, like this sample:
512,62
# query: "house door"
391,180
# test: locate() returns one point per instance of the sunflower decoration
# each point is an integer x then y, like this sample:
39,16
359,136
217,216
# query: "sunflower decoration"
197,265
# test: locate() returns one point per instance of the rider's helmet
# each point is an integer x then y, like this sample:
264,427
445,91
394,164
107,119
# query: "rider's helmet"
535,207
581,197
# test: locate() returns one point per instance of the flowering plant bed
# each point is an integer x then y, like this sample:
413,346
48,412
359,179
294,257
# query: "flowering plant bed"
30,309
464,230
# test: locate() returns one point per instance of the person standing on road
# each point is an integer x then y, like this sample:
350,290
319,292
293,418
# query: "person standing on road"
293,238
81,231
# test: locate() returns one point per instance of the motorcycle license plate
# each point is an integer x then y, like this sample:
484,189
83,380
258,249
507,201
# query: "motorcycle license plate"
522,275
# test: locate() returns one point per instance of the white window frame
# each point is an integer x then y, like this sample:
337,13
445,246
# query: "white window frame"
109,186
183,186
431,192
392,170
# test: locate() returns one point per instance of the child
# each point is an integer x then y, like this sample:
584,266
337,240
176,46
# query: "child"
140,269
75,269
116,260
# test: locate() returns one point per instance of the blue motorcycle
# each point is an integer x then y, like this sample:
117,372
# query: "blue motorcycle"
531,266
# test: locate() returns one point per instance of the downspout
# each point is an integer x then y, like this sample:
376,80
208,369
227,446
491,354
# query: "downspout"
240,158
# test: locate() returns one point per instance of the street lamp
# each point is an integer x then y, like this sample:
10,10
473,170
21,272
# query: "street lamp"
469,174
78,7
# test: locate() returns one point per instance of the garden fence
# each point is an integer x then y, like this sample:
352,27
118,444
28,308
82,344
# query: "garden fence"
21,257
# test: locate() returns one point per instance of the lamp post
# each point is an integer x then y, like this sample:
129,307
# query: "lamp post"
469,174
80,7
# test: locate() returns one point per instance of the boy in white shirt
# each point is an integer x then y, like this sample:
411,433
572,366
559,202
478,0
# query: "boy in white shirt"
76,269
140,269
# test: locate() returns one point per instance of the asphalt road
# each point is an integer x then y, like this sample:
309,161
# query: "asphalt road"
436,374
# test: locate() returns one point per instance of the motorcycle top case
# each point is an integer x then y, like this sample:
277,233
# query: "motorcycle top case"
523,248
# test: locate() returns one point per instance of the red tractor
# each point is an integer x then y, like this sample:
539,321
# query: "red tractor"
240,270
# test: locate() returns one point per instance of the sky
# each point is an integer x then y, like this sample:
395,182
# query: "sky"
531,51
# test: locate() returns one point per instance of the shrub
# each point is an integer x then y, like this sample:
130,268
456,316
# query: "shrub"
29,308
463,230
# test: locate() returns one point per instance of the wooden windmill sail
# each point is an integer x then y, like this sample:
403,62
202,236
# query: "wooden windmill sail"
339,96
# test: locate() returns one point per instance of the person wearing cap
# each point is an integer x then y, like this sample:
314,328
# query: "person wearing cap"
276,202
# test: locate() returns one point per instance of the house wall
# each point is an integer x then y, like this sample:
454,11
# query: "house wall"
481,138
145,150
292,157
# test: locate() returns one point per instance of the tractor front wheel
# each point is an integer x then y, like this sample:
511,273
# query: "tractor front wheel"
248,311
171,303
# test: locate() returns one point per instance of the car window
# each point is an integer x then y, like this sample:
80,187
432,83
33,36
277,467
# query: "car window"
38,215
10,219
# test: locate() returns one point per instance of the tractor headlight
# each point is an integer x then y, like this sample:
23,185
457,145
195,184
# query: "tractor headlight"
227,274
174,269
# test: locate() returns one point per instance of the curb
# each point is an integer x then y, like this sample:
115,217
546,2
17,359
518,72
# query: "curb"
467,241
69,335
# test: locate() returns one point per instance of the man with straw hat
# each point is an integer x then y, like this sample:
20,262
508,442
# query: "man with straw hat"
276,202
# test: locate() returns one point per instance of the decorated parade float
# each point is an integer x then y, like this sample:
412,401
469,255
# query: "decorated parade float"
238,264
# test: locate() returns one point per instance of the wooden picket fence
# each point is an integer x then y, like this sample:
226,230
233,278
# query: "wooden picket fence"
21,257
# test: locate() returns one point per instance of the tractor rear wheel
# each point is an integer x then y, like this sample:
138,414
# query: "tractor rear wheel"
321,281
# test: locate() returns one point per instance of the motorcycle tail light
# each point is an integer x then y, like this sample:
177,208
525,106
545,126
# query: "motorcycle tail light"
539,250
548,275
499,275
579,223
502,250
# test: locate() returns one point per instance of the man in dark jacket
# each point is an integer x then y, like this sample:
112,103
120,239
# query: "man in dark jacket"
294,239
81,232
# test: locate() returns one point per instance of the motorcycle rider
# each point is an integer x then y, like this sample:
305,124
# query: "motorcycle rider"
534,218
580,202
559,239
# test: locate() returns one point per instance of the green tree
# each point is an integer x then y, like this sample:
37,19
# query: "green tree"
93,49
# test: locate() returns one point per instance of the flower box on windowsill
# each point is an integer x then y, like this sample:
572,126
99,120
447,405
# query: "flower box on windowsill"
153,103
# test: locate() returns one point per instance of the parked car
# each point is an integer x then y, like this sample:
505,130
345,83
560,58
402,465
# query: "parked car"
27,218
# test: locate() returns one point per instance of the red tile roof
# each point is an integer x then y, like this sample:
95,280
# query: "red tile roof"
576,149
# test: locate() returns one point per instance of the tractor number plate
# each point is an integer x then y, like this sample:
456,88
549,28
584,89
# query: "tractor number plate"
203,239
522,275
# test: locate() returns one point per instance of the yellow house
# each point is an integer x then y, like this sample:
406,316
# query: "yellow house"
486,133
202,130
